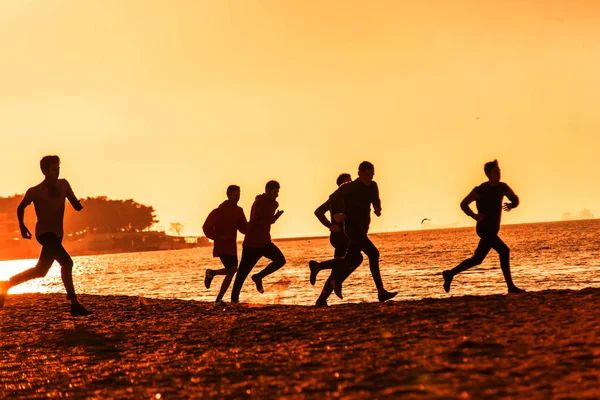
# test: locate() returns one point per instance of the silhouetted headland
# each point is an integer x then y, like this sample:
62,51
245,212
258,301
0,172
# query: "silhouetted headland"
105,226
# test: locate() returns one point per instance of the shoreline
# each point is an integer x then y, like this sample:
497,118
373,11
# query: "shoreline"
103,253
536,345
35,254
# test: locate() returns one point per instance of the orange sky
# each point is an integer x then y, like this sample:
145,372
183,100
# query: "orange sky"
169,102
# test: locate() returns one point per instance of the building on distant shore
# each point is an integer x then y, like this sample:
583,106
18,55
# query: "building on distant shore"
13,246
583,214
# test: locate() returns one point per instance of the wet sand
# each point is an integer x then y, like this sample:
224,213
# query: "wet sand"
537,345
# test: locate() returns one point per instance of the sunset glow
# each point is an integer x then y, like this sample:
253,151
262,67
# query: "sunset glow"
168,103
13,267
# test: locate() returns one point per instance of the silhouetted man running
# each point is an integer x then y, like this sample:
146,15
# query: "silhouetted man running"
222,225
48,199
257,243
337,238
488,198
351,204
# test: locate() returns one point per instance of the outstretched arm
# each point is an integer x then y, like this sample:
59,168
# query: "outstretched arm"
73,199
512,197
465,205
21,215
243,223
253,218
320,214
376,201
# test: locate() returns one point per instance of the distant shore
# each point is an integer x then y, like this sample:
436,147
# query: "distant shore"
537,345
100,244
444,227
33,252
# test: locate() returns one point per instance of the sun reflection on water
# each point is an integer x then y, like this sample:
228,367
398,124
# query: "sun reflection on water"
48,284
545,256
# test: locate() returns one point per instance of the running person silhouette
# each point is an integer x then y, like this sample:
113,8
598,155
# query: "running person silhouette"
337,237
351,204
488,197
48,199
257,243
222,225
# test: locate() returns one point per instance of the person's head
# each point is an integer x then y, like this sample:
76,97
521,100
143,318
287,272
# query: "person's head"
492,171
343,178
50,166
272,189
233,193
366,171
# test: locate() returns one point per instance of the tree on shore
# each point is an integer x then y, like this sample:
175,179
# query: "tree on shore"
102,215
176,227
99,215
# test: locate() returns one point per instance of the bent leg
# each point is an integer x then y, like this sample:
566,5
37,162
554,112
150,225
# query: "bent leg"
66,268
277,258
371,251
230,263
481,252
328,288
250,257
341,268
504,252
340,243
344,267
331,264
39,271
351,261
483,248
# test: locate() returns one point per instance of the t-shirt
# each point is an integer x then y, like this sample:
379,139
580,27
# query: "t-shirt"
354,199
490,204
222,225
262,216
320,213
49,204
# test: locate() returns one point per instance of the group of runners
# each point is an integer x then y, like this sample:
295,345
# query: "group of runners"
350,216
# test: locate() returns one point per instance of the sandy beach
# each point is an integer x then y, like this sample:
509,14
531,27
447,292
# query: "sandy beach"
538,345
